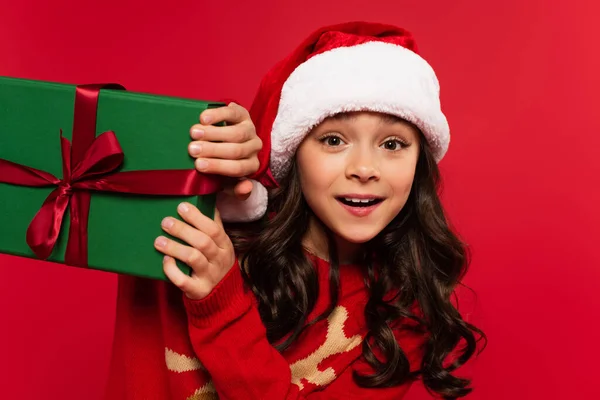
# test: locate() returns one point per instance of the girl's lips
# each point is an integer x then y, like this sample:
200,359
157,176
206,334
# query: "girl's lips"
359,211
359,196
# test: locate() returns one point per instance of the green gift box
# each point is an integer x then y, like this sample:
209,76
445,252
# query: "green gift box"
135,172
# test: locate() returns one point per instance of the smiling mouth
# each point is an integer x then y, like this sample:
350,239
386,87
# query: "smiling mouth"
352,202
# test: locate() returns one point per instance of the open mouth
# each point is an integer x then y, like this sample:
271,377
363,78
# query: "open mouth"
358,202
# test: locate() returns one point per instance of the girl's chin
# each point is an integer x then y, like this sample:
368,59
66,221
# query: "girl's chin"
356,237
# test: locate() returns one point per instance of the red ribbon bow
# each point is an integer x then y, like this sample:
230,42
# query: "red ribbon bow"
91,164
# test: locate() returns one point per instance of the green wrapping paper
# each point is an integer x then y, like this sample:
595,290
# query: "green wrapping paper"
153,132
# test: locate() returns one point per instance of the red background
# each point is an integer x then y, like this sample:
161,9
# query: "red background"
519,86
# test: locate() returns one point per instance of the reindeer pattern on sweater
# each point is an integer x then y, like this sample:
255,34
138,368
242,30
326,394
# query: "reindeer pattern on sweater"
307,369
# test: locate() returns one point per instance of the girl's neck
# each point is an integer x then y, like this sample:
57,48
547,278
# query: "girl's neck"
315,241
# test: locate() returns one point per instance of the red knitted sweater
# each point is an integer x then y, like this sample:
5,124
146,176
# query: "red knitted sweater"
167,346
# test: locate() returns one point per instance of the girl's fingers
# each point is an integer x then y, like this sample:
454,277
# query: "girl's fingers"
193,237
189,255
212,229
225,150
195,288
231,168
219,222
210,259
232,113
175,275
243,189
238,133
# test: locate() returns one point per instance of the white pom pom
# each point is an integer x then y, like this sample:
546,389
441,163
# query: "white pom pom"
251,209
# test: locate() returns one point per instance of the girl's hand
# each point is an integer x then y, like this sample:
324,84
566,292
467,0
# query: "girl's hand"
210,252
236,153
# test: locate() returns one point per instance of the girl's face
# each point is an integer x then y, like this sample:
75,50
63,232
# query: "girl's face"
356,171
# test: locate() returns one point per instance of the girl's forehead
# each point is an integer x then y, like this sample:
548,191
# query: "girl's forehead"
352,116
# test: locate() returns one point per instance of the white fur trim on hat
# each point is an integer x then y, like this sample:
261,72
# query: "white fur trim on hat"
374,76
232,209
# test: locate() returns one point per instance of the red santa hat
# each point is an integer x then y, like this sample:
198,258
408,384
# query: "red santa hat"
356,66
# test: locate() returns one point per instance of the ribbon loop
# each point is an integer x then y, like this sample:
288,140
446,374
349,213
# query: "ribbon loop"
103,157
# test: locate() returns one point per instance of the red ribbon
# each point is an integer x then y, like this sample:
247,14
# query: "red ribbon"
91,163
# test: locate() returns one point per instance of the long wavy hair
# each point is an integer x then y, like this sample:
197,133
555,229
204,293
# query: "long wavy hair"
420,261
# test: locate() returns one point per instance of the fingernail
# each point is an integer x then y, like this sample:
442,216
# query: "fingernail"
167,223
165,259
183,207
201,164
160,241
197,133
207,119
195,149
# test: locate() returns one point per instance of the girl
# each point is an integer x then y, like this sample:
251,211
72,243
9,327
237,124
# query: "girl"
343,289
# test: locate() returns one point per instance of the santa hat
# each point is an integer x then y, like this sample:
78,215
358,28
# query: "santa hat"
356,66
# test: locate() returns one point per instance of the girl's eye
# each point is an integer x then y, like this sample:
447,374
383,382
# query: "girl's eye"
393,144
332,141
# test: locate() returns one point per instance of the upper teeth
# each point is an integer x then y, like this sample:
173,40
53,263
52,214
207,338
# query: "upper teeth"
358,200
